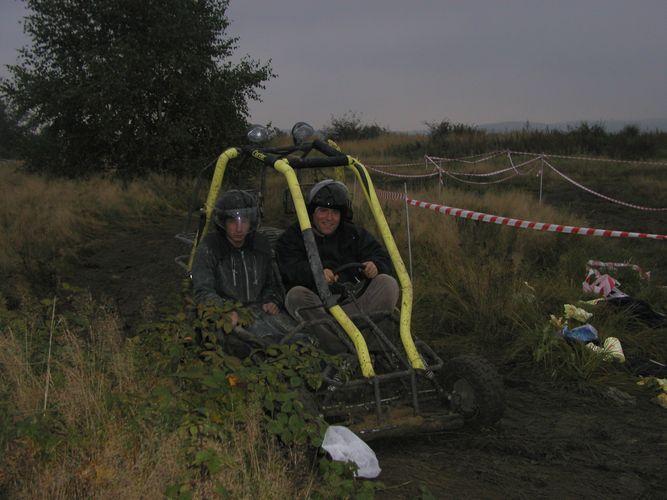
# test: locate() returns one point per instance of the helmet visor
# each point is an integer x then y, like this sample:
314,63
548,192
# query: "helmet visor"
237,220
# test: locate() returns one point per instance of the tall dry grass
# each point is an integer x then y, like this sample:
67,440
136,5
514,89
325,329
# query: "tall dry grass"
90,449
468,276
43,219
382,149
93,440
482,284
490,288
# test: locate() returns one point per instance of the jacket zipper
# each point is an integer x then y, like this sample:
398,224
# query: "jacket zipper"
247,279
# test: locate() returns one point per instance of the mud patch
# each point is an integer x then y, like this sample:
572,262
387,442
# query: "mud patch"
132,266
551,443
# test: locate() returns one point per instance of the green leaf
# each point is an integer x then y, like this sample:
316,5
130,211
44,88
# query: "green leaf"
172,490
296,424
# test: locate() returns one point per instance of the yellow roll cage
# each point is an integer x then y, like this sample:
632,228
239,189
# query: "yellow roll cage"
282,165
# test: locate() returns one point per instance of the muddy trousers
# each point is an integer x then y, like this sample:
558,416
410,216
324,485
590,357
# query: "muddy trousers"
380,295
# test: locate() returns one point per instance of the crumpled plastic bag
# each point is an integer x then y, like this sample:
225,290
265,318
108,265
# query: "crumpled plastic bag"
660,399
611,349
345,446
584,333
574,312
599,284
658,382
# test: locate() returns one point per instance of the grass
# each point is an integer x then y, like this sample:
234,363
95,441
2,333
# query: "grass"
103,432
91,451
490,289
478,287
44,220
382,149
97,436
486,287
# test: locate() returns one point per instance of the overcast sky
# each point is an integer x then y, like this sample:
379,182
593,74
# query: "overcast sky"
401,62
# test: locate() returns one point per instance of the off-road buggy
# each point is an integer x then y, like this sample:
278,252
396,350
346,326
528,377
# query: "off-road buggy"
391,382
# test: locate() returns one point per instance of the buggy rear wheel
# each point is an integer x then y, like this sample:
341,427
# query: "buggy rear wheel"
475,389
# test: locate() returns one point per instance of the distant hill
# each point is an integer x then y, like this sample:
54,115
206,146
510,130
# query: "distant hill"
609,125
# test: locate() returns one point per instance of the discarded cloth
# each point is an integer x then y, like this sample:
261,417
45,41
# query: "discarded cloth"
608,288
640,310
345,446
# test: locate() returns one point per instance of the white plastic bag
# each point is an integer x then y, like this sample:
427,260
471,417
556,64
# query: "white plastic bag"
345,446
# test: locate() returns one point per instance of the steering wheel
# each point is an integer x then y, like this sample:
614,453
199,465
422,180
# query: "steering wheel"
348,289
358,266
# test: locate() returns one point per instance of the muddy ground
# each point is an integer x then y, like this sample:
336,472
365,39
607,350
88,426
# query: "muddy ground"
551,443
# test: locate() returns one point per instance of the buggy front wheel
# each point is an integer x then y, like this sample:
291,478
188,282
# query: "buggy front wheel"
474,389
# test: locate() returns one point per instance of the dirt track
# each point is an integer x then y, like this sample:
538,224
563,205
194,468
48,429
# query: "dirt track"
551,443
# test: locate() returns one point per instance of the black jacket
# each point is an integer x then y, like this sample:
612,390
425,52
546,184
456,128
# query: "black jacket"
222,272
349,243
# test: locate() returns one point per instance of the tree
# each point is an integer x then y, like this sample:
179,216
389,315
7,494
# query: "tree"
349,126
11,135
130,85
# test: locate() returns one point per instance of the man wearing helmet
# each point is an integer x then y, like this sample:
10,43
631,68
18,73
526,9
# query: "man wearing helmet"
339,242
233,262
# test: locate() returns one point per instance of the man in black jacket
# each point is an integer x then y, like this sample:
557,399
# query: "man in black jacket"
233,263
339,242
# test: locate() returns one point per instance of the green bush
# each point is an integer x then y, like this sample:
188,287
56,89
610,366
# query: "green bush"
349,126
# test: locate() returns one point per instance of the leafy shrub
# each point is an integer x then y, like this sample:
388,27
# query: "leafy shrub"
457,139
86,413
350,127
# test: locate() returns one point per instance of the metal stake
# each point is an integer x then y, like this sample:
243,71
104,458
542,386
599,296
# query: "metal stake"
407,225
541,177
441,182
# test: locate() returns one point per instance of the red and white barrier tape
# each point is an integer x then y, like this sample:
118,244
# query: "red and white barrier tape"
392,165
464,159
600,195
405,176
598,264
434,160
517,223
592,158
486,174
389,195
479,183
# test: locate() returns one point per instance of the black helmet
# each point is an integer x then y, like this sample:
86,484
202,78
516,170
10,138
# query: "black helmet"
236,204
330,194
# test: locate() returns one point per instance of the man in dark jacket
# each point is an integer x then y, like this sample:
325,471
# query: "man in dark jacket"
339,242
233,263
